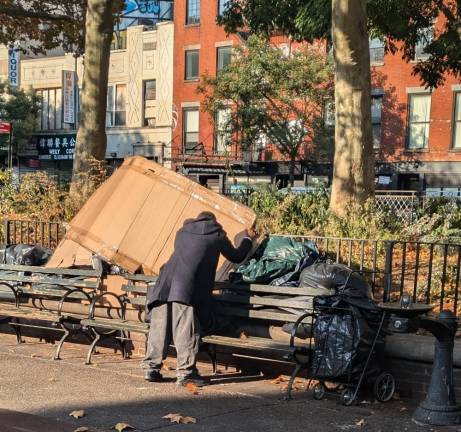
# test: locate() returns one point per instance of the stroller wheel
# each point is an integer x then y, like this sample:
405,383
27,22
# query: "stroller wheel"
347,396
384,387
319,391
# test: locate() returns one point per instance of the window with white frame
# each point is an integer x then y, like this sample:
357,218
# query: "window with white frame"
376,50
150,98
193,12
116,105
419,120
224,57
192,65
425,37
457,121
223,134
51,109
190,129
376,114
223,5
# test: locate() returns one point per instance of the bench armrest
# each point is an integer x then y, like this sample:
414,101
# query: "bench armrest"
68,294
120,300
15,291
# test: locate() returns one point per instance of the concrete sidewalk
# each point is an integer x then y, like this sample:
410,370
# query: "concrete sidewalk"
113,391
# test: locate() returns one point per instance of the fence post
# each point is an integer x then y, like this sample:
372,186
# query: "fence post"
389,246
7,231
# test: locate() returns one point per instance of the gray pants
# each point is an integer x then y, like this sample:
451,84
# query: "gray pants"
177,322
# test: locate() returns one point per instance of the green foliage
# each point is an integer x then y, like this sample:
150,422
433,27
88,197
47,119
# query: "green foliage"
49,24
21,108
399,22
308,214
272,95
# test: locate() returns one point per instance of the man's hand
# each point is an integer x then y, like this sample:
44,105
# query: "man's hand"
251,233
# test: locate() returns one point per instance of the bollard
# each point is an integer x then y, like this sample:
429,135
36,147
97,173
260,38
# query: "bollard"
440,407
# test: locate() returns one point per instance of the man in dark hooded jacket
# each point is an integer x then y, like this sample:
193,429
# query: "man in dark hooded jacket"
182,295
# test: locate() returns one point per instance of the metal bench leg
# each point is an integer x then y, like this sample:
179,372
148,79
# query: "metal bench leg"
57,354
293,376
96,339
17,330
212,354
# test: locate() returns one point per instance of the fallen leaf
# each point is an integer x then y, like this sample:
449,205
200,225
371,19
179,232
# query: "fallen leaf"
52,380
360,423
81,429
33,355
121,427
279,380
180,418
77,414
192,388
243,336
403,409
168,368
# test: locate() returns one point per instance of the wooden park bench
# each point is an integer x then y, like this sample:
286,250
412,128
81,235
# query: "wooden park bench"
25,290
243,304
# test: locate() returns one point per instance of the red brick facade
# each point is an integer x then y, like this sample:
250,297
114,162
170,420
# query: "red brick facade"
438,165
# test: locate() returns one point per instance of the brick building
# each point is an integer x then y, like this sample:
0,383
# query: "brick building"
414,128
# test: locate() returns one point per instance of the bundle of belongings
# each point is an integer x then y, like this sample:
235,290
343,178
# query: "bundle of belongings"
346,317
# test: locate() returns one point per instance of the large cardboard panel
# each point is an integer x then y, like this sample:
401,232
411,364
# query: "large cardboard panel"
70,254
132,219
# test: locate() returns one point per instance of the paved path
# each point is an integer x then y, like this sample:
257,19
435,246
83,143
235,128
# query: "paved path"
113,391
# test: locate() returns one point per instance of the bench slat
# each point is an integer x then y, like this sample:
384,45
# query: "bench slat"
117,324
254,343
269,289
260,314
265,301
48,270
33,313
49,281
135,289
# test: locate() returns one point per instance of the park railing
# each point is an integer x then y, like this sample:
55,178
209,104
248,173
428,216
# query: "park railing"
428,271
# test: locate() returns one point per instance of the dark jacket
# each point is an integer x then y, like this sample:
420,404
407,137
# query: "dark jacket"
188,276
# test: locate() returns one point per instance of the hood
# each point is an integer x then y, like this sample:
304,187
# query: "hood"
203,226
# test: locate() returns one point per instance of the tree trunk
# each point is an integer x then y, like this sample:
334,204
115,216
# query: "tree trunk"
292,170
91,136
353,172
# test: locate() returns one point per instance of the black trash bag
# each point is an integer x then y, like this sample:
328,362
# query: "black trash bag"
344,334
292,278
340,280
24,254
276,257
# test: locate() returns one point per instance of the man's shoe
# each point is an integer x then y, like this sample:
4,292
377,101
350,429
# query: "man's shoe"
153,376
195,380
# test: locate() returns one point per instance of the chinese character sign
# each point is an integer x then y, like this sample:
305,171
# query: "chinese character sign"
56,147
68,95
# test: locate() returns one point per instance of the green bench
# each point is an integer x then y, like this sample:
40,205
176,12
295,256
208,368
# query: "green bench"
24,290
244,305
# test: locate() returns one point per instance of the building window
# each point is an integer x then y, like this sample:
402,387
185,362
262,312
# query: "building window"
116,105
193,12
222,135
192,59
223,5
418,121
457,121
224,57
190,129
425,37
376,112
376,51
118,40
51,109
150,98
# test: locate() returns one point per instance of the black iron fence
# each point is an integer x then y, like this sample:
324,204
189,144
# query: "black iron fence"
428,271
47,234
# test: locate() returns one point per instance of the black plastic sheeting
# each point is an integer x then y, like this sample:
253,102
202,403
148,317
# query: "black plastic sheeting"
24,254
277,261
346,325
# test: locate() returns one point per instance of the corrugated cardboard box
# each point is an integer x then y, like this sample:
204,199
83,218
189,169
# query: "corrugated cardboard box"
132,219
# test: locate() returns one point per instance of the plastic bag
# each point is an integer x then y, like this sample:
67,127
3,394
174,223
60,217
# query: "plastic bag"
276,257
24,254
